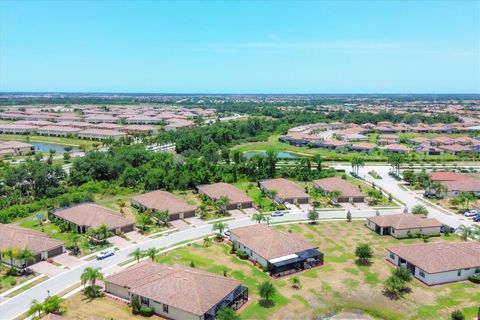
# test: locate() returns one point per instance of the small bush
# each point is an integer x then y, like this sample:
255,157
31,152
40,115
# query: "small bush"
12,272
146,311
13,282
475,278
242,254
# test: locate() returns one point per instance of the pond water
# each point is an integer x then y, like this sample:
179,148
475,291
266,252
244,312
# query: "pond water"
280,155
46,147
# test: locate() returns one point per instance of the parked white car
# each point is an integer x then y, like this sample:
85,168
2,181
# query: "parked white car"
288,205
105,253
276,214
471,213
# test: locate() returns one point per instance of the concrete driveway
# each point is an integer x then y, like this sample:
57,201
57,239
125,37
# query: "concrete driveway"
196,221
68,260
250,211
237,213
119,242
180,225
306,207
136,236
48,269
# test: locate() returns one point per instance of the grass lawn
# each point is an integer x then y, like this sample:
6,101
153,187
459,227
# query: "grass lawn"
47,139
8,282
256,195
339,284
79,307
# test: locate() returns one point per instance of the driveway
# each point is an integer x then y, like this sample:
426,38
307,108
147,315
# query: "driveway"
180,225
68,260
237,213
119,242
306,207
196,221
136,236
250,211
48,269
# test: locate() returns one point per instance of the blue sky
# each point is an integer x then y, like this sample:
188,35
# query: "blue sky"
240,47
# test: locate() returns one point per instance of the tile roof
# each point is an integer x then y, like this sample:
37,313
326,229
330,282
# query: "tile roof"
12,236
445,176
217,190
270,243
404,221
285,188
440,256
162,200
335,183
92,215
188,289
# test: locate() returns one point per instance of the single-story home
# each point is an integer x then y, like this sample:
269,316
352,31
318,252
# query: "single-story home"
58,131
364,147
455,183
159,200
17,148
41,245
177,292
438,262
100,134
455,149
280,252
395,148
403,225
237,198
284,190
385,139
90,215
17,128
350,192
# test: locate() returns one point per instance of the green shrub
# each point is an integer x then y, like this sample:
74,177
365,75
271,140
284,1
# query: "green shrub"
13,282
242,254
146,311
475,278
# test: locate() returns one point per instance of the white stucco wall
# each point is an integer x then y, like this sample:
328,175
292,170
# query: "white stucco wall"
251,253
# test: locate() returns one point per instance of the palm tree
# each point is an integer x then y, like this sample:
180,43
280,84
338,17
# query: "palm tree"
315,194
220,226
35,309
295,282
266,291
27,256
465,232
137,254
53,304
142,221
258,217
161,216
420,209
335,194
202,210
357,162
11,254
91,275
102,232
151,253
74,237
207,242
222,203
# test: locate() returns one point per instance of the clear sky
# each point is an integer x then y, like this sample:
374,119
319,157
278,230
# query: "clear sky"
240,47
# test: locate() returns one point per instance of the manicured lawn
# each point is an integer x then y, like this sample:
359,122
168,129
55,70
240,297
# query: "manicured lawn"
340,284
79,307
8,282
57,140
256,195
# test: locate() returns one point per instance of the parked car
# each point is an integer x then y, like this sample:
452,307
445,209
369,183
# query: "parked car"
276,214
476,218
105,253
429,195
471,213
226,233
288,205
444,228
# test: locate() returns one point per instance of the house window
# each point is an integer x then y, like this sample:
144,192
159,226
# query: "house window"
459,273
144,301
165,308
393,231
421,273
392,256
477,270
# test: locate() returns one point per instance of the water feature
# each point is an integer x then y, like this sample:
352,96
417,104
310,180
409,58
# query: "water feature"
280,155
46,147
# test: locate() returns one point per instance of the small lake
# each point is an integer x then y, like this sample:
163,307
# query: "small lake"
45,147
280,155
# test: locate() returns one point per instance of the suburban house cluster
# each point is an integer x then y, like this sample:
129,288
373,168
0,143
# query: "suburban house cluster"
15,148
341,136
99,124
454,183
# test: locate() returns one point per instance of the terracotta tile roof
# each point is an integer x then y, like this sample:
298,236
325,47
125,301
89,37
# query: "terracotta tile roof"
217,190
404,221
102,132
52,316
12,236
58,128
467,184
285,188
270,243
364,145
14,145
92,215
445,176
188,289
335,183
162,200
440,256
396,147
455,148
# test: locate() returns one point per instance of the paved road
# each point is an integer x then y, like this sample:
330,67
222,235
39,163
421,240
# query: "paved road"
17,305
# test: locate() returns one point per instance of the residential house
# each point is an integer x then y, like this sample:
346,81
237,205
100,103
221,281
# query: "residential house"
89,215
15,148
99,134
438,262
404,225
349,192
158,200
395,148
58,131
176,292
41,245
279,252
385,139
237,199
282,190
